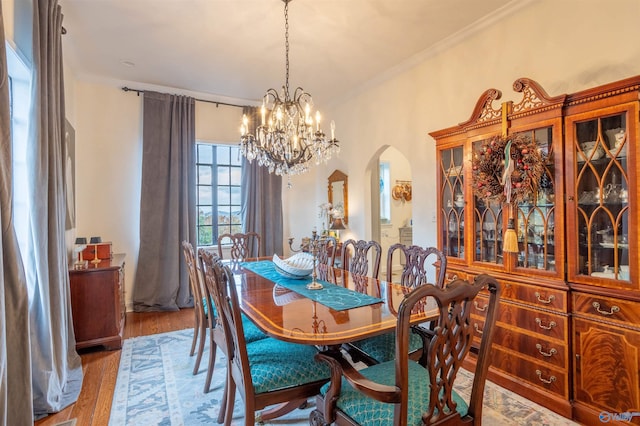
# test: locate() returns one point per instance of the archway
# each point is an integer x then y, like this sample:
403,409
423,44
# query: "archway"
391,200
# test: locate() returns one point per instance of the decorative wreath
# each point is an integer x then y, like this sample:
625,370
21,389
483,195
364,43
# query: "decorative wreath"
507,169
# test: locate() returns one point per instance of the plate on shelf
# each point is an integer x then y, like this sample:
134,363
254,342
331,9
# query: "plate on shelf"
609,275
454,171
612,245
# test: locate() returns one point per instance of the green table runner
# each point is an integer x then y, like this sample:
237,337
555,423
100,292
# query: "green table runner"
332,296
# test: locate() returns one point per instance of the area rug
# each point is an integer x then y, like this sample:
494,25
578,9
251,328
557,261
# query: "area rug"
155,386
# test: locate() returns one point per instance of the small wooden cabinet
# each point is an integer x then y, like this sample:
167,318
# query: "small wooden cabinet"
568,327
98,304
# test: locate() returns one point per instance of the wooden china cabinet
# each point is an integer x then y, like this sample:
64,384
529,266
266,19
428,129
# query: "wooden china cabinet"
568,328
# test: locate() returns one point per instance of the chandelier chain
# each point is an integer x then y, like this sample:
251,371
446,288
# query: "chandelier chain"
286,43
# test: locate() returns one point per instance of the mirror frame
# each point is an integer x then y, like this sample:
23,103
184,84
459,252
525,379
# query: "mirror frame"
338,176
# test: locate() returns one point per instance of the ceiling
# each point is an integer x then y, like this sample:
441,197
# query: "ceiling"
234,49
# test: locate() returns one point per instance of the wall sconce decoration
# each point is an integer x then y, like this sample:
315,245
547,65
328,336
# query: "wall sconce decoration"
402,190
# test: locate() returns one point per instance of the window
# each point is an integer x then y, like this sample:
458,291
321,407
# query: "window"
219,202
385,193
19,104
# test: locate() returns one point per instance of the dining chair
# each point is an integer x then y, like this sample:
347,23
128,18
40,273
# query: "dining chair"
355,257
422,265
402,392
209,317
199,302
267,371
327,247
242,245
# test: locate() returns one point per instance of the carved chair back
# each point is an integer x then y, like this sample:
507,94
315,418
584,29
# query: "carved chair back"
200,318
422,265
243,245
453,336
355,257
327,251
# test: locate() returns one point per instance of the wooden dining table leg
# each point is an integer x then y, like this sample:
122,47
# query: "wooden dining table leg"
280,410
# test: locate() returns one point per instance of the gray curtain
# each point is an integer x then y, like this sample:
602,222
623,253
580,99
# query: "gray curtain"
167,204
262,200
15,359
55,366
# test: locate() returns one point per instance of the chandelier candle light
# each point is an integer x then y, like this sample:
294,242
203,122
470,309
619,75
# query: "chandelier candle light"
289,137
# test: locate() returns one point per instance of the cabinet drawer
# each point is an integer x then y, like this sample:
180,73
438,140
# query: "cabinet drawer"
541,375
533,347
608,309
542,323
542,297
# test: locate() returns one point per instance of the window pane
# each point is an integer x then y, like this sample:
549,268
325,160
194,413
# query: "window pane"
236,176
236,218
223,154
205,236
223,175
223,195
235,156
236,196
205,153
204,195
204,175
204,215
224,215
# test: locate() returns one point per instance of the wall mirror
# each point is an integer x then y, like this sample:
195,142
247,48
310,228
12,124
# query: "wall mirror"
338,193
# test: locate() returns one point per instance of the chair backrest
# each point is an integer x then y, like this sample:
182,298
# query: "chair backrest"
327,251
422,265
355,257
453,336
210,291
242,245
195,278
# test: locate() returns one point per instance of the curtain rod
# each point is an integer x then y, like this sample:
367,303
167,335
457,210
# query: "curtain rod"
218,103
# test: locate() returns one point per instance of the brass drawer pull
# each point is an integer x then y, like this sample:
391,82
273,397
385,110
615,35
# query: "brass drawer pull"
551,379
546,327
475,326
613,310
478,307
547,301
551,352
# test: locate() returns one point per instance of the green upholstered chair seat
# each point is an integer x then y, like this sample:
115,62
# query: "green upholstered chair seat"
368,411
382,348
277,365
251,331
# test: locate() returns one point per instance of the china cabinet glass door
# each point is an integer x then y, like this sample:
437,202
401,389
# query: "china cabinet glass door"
535,217
488,225
452,202
601,191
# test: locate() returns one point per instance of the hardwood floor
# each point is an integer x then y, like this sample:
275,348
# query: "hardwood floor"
100,368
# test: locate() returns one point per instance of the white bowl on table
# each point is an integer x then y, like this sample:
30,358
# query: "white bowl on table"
298,266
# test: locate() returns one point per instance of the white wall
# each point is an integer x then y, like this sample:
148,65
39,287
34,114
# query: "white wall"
565,45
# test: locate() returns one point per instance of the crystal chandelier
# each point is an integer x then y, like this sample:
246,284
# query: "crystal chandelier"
289,137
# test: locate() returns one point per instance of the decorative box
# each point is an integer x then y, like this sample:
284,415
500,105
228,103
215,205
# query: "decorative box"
103,250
